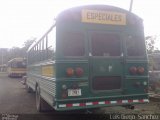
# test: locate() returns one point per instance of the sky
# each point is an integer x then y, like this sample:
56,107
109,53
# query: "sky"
21,20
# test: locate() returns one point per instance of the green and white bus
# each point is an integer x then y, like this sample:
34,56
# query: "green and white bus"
93,56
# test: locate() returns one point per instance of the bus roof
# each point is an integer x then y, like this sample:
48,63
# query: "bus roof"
94,7
17,59
68,12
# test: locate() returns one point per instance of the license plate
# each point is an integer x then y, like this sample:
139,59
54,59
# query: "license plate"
74,92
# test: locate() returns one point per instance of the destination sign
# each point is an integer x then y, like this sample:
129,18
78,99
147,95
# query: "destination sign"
103,17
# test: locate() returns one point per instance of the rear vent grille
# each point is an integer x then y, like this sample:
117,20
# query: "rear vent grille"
106,83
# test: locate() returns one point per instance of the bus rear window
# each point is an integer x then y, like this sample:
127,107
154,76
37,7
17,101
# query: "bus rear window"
105,44
135,46
18,64
73,44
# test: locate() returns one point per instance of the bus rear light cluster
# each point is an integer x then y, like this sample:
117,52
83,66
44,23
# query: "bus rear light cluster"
136,70
133,70
140,84
146,90
79,72
140,70
64,94
71,72
64,87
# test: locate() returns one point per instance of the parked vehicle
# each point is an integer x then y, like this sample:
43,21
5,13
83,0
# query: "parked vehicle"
93,56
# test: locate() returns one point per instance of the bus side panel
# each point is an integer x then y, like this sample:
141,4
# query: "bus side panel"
31,82
47,83
47,88
33,73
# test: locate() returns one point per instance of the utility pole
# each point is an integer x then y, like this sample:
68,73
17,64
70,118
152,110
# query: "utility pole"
1,49
131,3
2,57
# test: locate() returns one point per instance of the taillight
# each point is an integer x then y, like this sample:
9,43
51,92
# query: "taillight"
137,84
64,87
140,70
146,90
70,72
133,70
64,94
79,72
136,70
64,91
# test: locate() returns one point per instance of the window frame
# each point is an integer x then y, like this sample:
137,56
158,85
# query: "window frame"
85,43
143,43
105,32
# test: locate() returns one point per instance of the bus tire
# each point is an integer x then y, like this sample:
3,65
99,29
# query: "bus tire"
29,89
41,104
9,75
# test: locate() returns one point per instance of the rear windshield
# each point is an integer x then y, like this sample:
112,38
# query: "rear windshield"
73,44
18,64
135,46
105,44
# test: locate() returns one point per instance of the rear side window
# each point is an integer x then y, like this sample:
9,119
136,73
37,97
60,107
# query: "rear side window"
73,44
105,44
135,46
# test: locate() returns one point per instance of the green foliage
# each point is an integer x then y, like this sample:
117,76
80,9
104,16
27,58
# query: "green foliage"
151,42
28,43
7,54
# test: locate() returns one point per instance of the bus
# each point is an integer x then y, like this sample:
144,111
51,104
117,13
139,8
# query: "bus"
16,67
93,56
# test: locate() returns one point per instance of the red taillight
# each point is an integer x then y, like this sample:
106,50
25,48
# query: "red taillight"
140,70
79,72
146,90
70,72
133,70
64,94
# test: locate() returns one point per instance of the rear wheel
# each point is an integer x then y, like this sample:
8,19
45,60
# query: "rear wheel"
41,104
29,89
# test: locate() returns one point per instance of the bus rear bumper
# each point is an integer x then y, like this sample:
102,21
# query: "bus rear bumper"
98,104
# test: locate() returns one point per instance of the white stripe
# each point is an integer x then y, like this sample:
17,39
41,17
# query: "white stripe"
62,105
124,101
101,103
89,103
135,100
76,104
145,100
113,102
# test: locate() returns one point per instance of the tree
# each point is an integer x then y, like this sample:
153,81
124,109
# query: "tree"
28,43
150,43
15,52
26,46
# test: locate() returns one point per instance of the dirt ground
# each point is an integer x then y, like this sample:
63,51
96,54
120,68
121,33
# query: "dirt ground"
153,107
149,108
